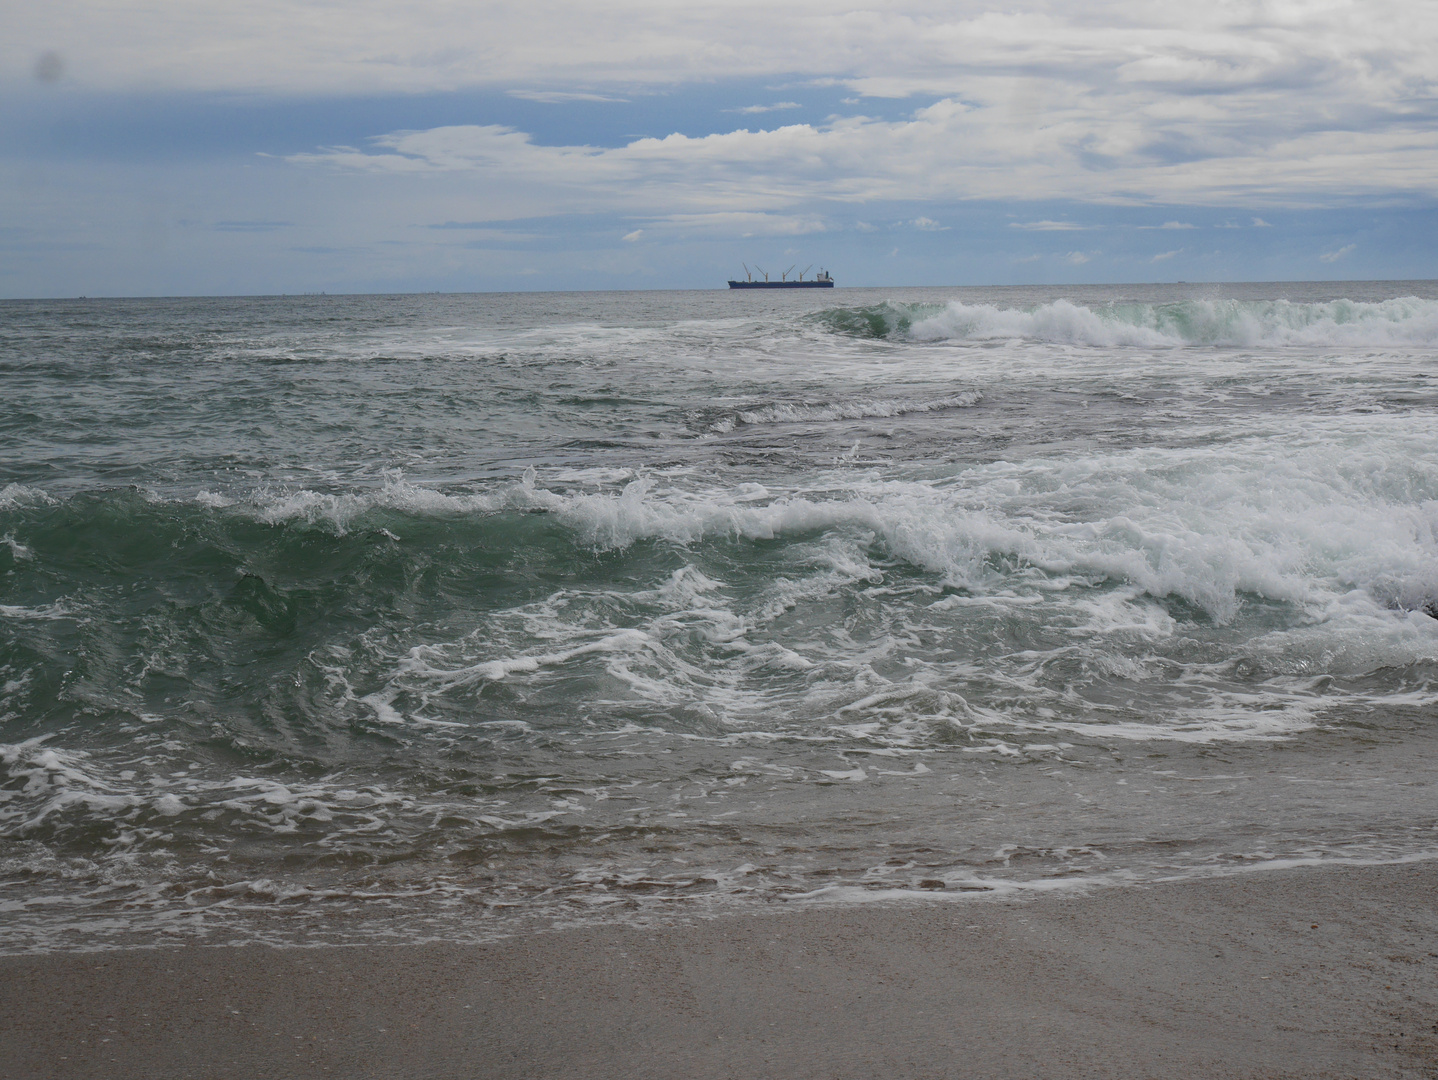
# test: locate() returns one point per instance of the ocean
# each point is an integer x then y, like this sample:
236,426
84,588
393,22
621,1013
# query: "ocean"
339,619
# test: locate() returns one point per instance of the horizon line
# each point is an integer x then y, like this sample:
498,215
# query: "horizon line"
316,294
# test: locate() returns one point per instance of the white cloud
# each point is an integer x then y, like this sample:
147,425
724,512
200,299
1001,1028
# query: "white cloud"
1259,223
948,151
1170,225
1248,104
739,223
560,97
1334,256
1078,258
1199,77
1164,255
755,109
1048,226
928,224
633,237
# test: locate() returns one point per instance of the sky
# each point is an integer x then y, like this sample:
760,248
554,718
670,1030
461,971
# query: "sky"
155,147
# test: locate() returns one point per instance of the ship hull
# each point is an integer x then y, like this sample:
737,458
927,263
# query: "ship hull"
781,284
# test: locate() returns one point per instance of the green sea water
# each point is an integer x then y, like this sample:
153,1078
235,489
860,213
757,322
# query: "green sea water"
416,617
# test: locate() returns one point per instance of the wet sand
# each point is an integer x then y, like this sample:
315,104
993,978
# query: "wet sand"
1306,973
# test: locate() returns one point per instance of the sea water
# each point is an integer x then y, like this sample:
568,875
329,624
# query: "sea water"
396,618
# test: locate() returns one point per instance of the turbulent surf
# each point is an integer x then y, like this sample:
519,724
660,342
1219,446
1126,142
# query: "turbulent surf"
398,618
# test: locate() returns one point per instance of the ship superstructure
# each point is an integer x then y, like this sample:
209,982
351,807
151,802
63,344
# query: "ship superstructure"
822,280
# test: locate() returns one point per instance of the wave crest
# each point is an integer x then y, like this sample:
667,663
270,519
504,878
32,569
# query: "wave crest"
1398,322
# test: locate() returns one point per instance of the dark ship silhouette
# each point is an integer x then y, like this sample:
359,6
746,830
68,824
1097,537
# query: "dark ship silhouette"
821,280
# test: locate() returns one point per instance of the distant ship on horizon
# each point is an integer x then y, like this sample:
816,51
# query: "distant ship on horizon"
821,280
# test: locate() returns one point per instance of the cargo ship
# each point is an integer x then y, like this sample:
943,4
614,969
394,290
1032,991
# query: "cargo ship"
821,280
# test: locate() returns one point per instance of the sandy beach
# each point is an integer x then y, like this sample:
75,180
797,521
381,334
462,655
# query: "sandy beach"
1309,973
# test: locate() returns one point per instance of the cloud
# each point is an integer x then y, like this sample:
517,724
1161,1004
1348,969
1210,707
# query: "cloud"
1221,58
1163,255
958,111
927,224
1334,256
1027,259
754,109
633,237
1110,101
49,66
1170,225
1048,226
560,97
739,223
948,151
1077,258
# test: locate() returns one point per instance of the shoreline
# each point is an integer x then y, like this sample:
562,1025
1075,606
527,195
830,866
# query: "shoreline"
1299,972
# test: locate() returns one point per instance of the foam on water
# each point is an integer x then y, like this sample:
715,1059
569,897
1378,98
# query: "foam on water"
1405,321
1305,516
422,629
818,412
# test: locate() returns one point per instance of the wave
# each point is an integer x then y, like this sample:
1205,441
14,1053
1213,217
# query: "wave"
15,495
794,412
1300,521
1246,323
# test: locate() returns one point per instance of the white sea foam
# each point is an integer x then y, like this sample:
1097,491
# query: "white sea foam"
1336,520
53,780
420,659
1303,524
12,495
808,412
338,511
727,669
60,610
1399,322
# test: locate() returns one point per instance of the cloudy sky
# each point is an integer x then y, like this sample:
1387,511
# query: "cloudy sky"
165,147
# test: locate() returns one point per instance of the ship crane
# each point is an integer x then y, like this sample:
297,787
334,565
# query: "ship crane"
822,280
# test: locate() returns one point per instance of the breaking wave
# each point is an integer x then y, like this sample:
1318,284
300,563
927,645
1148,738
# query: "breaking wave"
293,648
1202,525
1400,322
